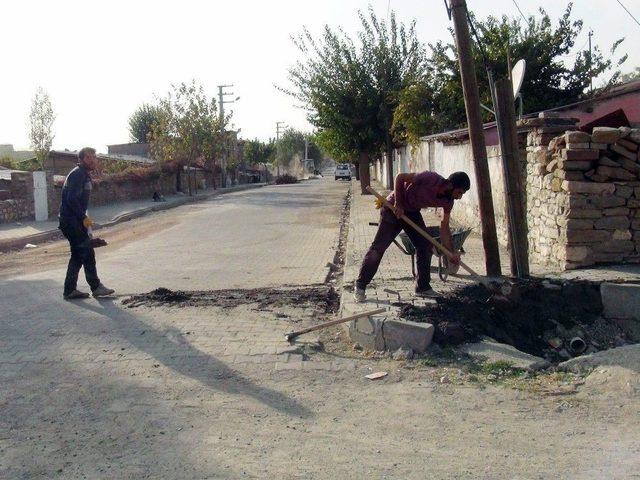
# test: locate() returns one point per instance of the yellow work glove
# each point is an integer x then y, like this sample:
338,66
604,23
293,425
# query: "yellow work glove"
378,203
87,222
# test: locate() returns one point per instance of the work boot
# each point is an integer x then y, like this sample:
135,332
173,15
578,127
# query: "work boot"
427,293
359,295
102,291
75,295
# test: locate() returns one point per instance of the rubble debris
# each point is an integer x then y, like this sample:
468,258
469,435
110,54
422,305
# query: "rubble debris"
376,375
543,323
403,354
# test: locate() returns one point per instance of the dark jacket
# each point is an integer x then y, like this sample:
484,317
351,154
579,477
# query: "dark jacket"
75,195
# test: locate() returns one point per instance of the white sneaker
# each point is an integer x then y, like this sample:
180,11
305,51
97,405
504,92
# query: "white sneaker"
359,295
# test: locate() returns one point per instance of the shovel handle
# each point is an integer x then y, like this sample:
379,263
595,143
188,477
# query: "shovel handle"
290,336
433,241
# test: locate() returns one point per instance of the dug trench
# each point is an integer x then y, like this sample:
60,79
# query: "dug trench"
318,301
552,320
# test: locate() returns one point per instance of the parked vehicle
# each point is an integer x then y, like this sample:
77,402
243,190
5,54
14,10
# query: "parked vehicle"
343,170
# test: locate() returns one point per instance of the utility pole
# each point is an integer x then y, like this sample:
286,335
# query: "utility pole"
590,71
512,173
280,126
458,10
221,102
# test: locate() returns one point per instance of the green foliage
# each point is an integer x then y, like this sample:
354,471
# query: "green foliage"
142,121
290,144
285,179
351,88
549,81
256,152
188,126
415,115
8,162
41,118
132,173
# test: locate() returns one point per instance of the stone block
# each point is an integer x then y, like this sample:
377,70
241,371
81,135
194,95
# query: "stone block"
575,223
608,162
636,192
404,334
368,332
589,154
614,246
607,201
599,146
552,165
629,145
589,187
616,173
616,211
556,184
633,203
577,253
634,135
624,191
582,165
601,257
579,146
620,150
577,137
630,165
578,237
620,300
622,235
584,213
605,135
575,176
625,131
612,223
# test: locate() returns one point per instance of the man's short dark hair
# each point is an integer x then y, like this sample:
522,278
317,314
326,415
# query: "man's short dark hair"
86,151
460,180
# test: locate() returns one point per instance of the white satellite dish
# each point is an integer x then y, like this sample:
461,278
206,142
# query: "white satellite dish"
517,76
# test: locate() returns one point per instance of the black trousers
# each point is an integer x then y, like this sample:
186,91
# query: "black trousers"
82,255
389,228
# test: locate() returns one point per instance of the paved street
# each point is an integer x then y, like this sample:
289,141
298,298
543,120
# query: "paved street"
93,389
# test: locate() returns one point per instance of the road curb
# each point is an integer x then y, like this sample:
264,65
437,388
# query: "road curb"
55,234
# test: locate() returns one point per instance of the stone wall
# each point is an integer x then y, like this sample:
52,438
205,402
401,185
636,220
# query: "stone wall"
583,196
19,205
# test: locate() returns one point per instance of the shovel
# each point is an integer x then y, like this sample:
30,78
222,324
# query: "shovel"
500,287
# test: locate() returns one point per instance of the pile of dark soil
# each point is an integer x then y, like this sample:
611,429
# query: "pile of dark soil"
322,298
544,320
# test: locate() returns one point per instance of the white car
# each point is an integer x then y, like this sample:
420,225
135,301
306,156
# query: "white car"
343,170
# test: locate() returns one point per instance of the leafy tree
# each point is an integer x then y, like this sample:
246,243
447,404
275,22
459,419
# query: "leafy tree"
290,144
41,120
188,127
549,81
351,88
256,152
142,121
627,77
415,115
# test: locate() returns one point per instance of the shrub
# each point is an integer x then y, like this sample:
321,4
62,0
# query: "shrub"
286,178
131,174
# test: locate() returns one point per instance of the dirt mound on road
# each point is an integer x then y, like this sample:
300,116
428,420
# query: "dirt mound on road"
322,298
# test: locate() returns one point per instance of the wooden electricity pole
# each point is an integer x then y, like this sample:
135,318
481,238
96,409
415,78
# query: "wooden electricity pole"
476,135
512,173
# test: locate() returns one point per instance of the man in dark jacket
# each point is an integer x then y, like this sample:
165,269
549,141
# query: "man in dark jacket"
75,224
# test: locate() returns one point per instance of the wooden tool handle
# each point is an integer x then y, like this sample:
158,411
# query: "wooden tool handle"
433,241
292,335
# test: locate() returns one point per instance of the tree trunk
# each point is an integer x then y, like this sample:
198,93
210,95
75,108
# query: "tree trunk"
363,167
389,163
357,165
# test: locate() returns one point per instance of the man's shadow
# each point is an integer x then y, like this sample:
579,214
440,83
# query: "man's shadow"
209,371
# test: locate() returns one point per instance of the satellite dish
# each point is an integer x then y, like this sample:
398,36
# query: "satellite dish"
517,76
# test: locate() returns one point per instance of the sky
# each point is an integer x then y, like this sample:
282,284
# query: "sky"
100,60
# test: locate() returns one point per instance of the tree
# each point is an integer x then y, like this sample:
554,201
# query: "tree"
415,115
351,89
290,144
256,152
550,81
41,120
629,76
142,121
188,127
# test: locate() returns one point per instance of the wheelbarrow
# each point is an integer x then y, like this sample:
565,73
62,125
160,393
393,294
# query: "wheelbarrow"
406,246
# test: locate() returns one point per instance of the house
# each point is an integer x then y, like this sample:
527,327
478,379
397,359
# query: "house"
61,162
135,149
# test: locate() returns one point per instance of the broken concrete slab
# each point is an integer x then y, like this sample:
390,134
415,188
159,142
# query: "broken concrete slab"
621,300
626,357
492,351
405,334
368,332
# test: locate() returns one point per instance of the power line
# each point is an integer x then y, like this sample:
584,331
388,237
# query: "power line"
630,14
521,14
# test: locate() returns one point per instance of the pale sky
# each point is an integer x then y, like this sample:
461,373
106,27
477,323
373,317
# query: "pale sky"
100,60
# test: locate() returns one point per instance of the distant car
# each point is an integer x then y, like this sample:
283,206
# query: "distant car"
343,171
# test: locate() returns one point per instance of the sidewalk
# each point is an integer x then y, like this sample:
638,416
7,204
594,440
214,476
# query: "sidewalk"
16,235
394,274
